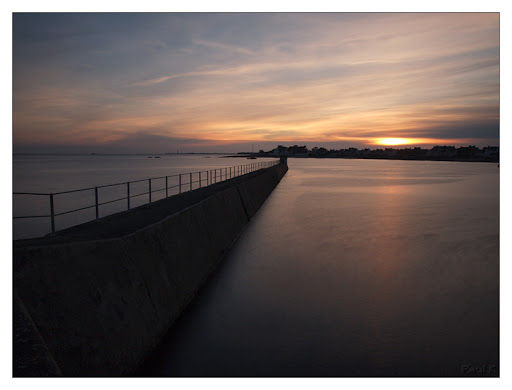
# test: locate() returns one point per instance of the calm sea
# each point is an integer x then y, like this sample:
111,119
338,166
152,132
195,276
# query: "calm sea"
354,268
350,268
56,173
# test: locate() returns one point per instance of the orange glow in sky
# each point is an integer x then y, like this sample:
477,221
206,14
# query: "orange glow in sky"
189,82
394,141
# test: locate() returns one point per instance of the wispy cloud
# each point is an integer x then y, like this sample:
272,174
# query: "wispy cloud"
232,78
223,46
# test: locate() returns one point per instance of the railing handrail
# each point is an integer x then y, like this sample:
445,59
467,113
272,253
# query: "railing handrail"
124,182
210,179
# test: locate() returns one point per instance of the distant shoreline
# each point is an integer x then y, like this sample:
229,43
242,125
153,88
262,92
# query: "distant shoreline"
487,159
455,159
437,153
119,154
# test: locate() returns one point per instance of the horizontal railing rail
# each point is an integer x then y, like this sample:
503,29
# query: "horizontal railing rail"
185,182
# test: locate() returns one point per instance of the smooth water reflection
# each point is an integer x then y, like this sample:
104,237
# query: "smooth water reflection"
353,268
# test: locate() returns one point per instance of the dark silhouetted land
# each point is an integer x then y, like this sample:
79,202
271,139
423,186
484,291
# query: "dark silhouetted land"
437,153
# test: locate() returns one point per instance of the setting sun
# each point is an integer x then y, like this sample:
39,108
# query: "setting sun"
393,141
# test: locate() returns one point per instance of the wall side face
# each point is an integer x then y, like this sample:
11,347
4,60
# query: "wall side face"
33,358
101,306
255,192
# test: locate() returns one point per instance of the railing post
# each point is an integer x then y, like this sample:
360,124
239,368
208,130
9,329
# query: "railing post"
199,179
96,202
180,183
128,194
190,181
52,213
215,175
166,188
208,178
149,187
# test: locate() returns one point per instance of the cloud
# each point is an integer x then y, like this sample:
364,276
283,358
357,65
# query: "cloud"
223,46
265,77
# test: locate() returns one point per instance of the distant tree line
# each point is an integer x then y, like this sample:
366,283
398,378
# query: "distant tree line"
445,153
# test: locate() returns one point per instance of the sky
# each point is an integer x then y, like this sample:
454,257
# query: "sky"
229,82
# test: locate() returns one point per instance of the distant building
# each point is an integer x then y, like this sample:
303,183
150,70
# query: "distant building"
442,151
468,151
491,152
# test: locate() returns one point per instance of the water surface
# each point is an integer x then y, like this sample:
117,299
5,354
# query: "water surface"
353,268
56,173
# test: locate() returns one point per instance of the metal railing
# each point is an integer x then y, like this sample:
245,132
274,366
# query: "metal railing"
177,183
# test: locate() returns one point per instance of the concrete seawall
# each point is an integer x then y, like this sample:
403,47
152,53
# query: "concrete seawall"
96,299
